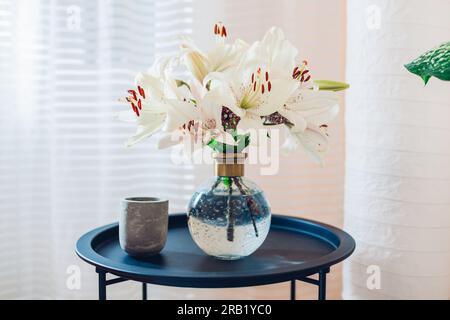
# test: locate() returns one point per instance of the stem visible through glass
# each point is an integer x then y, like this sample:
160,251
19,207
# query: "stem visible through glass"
251,204
230,213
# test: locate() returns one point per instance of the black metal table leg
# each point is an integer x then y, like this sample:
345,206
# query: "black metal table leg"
293,290
144,291
101,284
322,285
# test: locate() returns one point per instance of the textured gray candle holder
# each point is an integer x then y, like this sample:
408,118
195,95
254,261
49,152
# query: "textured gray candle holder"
143,225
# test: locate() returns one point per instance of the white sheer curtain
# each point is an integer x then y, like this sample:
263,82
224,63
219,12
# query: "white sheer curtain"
63,165
398,153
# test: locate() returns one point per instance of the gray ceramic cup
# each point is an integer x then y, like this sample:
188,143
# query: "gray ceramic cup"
143,225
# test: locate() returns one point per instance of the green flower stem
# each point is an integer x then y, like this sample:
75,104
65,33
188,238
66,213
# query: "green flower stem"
251,204
230,214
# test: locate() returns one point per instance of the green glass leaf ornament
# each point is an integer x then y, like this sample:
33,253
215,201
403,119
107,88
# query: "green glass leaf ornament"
433,63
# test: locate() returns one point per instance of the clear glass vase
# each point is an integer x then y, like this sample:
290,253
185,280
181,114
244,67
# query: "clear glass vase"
228,215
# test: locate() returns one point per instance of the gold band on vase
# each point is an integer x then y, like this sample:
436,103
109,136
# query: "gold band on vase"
229,164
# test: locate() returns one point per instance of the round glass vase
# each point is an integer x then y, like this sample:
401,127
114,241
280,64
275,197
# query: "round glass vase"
228,215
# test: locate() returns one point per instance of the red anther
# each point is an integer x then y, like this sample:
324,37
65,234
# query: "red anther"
224,32
141,92
140,104
137,112
294,72
216,29
254,86
253,77
134,108
269,86
133,93
267,76
262,89
191,124
307,78
305,72
296,75
128,99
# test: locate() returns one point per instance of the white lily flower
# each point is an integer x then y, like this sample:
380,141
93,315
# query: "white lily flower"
252,94
206,124
156,104
235,87
307,107
222,57
262,82
307,115
211,116
275,52
314,140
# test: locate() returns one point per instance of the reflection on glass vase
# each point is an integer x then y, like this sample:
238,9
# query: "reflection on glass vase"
228,215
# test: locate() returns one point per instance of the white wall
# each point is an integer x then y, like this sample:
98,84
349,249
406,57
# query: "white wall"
398,152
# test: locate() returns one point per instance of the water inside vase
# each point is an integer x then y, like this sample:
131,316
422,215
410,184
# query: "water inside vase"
229,226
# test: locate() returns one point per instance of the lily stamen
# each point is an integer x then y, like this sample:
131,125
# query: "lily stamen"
141,92
220,30
133,93
134,100
301,72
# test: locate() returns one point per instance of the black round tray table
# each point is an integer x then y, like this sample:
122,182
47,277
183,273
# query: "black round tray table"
295,250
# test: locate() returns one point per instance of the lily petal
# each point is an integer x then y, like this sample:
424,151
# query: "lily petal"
296,118
313,141
311,99
250,122
282,90
178,114
168,140
147,130
152,85
316,107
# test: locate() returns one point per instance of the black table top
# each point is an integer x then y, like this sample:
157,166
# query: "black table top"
294,248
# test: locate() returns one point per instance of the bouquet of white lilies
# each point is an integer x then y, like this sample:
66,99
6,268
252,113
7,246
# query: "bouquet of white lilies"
230,91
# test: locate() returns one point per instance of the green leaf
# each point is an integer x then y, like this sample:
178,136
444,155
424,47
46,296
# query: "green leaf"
242,142
433,63
328,85
217,146
208,85
182,83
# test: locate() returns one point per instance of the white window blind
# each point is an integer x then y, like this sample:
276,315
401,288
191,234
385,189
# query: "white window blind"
63,164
